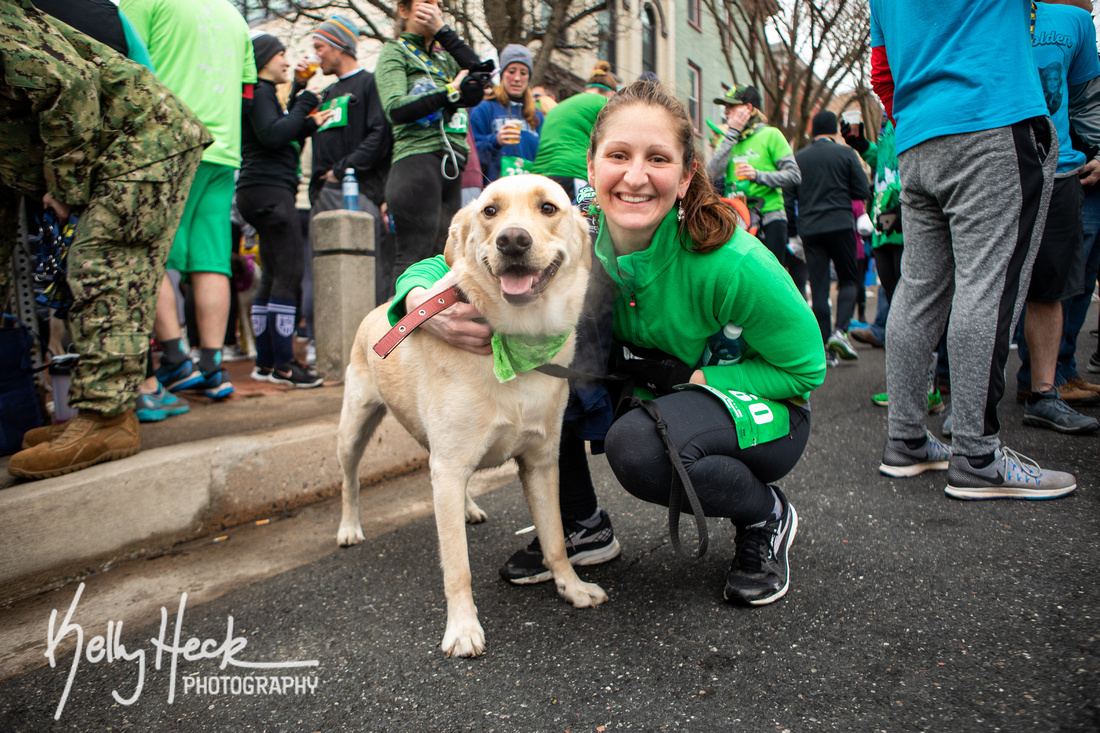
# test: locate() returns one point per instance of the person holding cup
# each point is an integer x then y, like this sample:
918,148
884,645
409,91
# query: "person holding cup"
755,160
506,126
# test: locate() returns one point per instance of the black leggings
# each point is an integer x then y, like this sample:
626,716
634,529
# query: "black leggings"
270,209
422,203
774,237
888,266
840,247
730,481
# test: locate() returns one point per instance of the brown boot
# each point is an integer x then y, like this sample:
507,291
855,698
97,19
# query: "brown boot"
1083,384
44,434
87,439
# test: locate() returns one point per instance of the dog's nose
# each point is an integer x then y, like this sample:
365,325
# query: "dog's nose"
514,242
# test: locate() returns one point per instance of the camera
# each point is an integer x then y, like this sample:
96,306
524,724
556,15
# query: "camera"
482,73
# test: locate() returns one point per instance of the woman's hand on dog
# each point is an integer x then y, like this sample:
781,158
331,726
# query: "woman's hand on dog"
461,325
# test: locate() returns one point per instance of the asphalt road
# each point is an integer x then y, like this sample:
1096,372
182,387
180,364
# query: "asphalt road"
907,611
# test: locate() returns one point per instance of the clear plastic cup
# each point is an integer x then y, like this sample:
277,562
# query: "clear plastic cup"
314,62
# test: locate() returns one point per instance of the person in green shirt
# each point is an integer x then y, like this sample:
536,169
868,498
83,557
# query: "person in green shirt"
755,160
564,138
678,271
425,88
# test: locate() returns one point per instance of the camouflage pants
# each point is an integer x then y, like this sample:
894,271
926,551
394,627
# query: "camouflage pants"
116,263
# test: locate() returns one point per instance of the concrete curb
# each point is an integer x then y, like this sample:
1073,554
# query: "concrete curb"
70,525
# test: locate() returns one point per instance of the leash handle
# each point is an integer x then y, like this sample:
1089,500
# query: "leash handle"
414,318
676,494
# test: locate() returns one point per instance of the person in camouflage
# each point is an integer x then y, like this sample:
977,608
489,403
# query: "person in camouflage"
98,136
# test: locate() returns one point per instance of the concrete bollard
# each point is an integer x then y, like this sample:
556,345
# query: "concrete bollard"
343,285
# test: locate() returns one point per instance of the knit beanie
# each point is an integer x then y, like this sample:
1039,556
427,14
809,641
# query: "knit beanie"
264,48
824,124
514,52
340,33
602,77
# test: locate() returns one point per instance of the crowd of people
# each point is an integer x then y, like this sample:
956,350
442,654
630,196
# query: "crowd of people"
705,395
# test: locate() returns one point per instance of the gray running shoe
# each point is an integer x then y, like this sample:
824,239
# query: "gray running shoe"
1048,410
838,344
948,423
1009,476
901,461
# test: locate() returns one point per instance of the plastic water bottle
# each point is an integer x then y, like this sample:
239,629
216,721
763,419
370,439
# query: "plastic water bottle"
724,348
423,86
351,190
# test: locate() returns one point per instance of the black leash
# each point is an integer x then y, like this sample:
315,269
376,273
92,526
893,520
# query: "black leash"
676,494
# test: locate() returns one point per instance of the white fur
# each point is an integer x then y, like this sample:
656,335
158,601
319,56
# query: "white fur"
450,400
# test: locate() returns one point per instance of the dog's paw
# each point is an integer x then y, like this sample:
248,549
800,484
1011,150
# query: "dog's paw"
474,514
349,535
582,595
463,639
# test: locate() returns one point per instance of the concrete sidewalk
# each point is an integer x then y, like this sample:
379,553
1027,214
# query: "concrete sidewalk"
263,451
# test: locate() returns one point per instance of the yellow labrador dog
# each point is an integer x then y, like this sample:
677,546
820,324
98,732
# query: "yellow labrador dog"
520,255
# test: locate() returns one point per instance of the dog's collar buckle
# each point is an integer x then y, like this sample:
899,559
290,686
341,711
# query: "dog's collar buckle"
413,319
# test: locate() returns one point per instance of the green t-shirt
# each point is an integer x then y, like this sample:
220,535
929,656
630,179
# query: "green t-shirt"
763,148
563,141
202,52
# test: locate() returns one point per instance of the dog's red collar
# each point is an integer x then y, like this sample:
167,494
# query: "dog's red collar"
414,318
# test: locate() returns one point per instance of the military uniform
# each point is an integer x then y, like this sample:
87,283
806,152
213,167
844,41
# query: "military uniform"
104,136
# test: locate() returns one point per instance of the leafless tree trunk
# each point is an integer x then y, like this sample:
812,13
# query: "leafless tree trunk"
798,53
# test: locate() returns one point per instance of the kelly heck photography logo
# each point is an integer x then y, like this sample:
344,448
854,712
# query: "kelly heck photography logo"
110,648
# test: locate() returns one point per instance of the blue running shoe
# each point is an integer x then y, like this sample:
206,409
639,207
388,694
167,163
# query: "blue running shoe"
184,376
147,409
159,405
216,384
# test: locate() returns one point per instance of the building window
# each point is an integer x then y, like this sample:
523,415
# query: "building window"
649,39
695,15
718,111
695,97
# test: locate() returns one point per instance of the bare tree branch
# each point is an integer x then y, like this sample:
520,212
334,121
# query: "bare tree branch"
798,53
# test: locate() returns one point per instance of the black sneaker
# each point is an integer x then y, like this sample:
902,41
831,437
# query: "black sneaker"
296,375
759,573
583,546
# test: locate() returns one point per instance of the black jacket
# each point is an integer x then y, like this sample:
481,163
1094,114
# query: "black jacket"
832,178
269,155
364,144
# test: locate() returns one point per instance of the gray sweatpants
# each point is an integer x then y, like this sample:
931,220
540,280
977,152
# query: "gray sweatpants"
973,210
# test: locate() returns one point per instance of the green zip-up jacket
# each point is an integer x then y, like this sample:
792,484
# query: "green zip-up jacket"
674,299
396,73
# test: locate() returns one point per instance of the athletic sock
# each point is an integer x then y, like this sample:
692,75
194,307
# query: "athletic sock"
591,522
980,461
209,360
777,510
172,354
911,443
280,323
265,357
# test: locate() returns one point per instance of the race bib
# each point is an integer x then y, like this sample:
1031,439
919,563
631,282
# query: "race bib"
460,121
513,166
339,115
756,419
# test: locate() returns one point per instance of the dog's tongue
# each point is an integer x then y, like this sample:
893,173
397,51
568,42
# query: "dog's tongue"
516,284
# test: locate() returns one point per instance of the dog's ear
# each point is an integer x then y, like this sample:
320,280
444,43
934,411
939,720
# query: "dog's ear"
458,232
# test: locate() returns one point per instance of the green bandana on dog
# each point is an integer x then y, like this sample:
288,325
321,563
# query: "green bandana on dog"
516,353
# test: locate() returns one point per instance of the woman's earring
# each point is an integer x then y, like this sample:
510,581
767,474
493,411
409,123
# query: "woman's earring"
680,211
